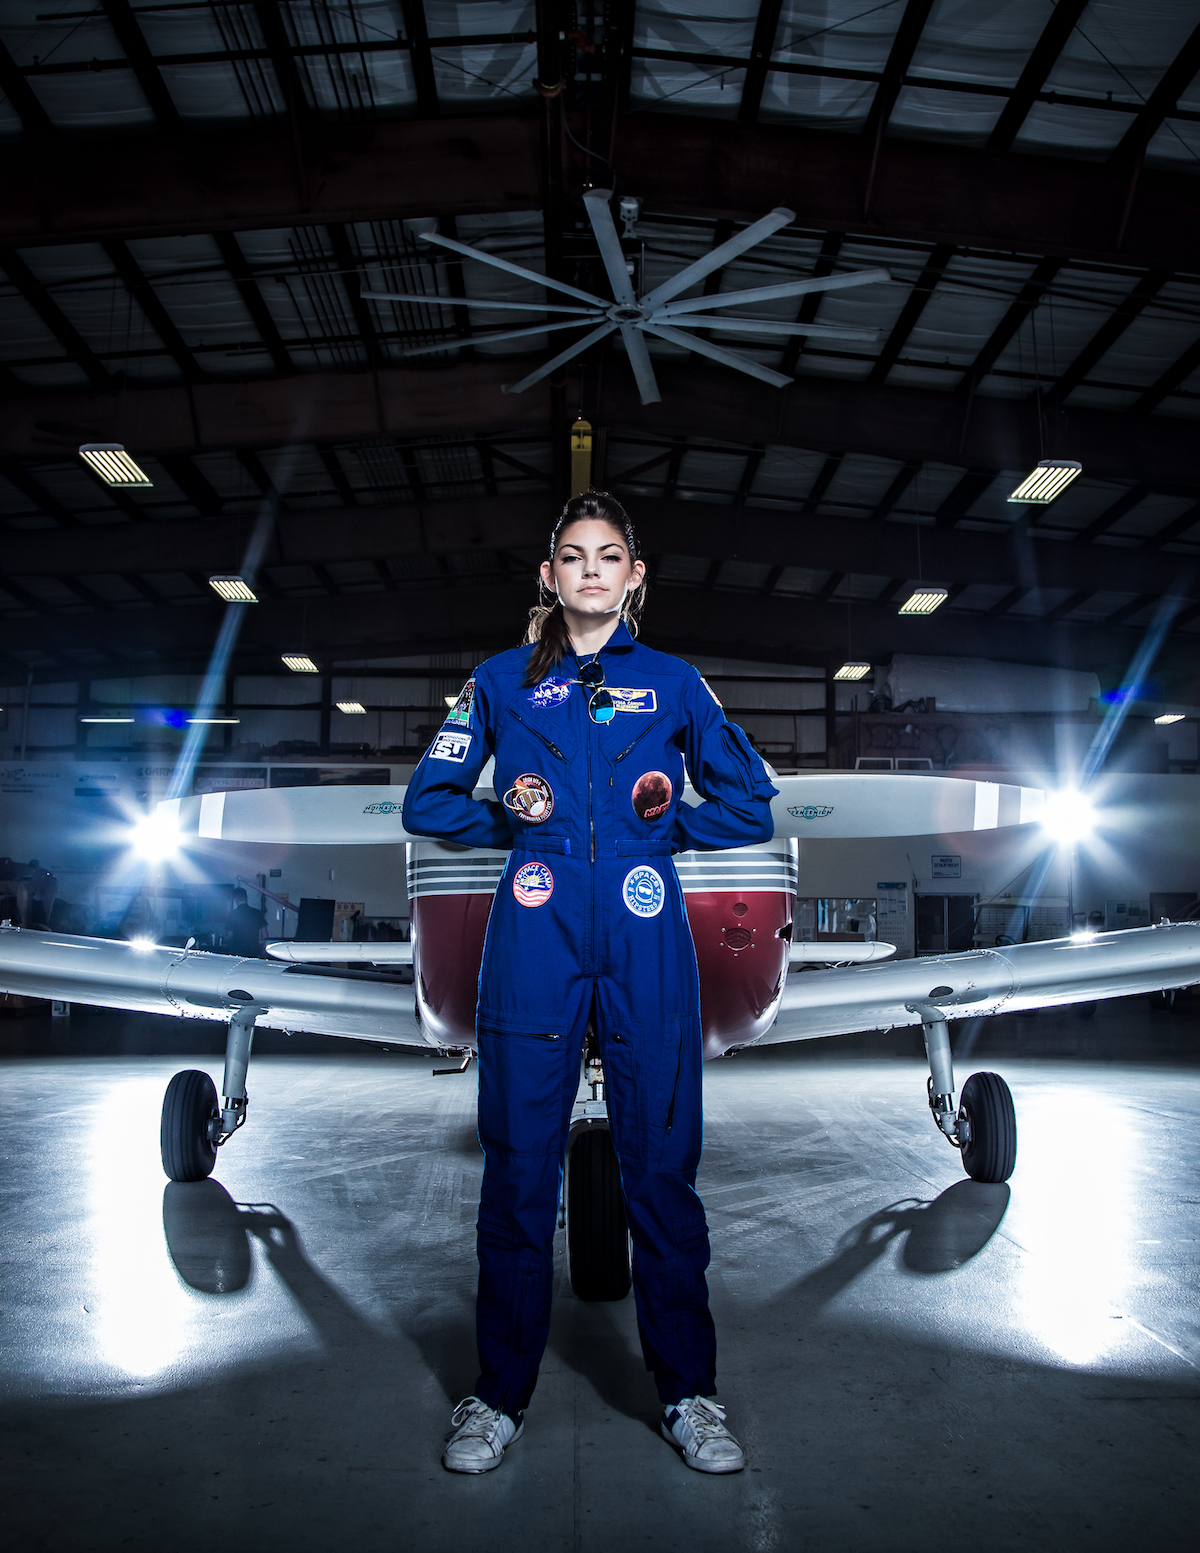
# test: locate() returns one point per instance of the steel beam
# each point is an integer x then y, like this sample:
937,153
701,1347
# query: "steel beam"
1037,67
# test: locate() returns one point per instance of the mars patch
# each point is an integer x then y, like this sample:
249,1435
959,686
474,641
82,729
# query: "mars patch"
652,795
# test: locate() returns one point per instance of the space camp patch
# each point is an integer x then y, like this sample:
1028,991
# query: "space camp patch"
551,692
460,712
533,884
530,798
450,744
643,891
633,700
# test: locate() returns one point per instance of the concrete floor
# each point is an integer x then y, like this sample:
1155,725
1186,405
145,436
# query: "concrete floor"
268,1360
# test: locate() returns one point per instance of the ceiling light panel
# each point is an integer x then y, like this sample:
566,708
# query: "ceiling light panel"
923,601
1169,717
234,590
351,708
853,671
1048,481
114,466
299,663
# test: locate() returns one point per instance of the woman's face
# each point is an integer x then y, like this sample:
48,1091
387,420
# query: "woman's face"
591,571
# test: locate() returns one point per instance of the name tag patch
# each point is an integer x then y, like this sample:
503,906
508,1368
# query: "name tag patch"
460,712
551,692
633,700
644,891
530,798
533,884
450,745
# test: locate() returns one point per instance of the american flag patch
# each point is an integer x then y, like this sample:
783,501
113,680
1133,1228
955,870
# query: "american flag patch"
533,884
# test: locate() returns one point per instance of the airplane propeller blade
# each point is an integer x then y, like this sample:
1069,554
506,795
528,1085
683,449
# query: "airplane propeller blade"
787,288
842,805
459,341
719,257
564,356
503,264
482,302
600,215
639,360
718,353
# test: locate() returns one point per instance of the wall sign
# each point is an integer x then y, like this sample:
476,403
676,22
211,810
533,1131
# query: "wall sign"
945,865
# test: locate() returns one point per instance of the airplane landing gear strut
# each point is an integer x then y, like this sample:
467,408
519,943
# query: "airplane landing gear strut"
984,1126
193,1125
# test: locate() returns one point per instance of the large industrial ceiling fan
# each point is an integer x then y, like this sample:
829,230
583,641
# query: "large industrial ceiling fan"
658,312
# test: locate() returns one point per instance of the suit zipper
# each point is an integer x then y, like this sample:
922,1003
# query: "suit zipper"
538,734
638,740
675,1087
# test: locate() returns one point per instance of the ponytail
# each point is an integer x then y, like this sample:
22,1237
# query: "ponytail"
547,622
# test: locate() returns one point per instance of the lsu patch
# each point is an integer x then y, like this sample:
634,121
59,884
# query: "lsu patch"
450,745
651,795
533,884
644,891
530,798
551,692
460,712
634,700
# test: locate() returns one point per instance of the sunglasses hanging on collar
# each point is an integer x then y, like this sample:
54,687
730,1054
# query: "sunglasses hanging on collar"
600,703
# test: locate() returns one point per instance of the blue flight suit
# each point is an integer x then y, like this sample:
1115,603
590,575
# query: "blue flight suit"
588,922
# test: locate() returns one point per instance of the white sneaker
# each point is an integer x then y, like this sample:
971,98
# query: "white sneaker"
697,1426
481,1437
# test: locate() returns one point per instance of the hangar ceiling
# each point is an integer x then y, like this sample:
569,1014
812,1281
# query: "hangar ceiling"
194,197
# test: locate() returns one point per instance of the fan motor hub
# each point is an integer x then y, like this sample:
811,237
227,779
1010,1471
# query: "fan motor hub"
626,315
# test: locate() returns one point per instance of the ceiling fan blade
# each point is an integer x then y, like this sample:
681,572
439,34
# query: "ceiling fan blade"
501,334
789,288
511,269
562,357
482,302
718,353
770,326
639,360
600,215
719,257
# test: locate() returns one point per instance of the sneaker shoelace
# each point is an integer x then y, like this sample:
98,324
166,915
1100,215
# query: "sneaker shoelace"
483,1420
707,1420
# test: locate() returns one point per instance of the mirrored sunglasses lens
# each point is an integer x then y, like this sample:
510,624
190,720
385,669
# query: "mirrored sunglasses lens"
591,675
601,707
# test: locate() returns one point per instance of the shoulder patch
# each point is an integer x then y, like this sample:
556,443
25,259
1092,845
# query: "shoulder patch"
711,691
460,712
450,744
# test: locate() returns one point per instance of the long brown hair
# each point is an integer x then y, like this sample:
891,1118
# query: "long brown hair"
547,623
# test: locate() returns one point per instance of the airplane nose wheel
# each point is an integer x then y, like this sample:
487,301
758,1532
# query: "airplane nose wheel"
984,1128
185,1137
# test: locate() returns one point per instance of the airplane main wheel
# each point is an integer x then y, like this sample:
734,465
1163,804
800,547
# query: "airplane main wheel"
990,1154
190,1103
597,1232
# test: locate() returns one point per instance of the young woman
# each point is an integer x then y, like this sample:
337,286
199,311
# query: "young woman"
591,734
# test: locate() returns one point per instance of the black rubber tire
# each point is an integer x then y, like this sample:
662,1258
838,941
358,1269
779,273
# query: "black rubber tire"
597,1231
991,1154
188,1105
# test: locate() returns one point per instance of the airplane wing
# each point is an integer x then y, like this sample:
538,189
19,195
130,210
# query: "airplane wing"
1006,979
828,805
371,1006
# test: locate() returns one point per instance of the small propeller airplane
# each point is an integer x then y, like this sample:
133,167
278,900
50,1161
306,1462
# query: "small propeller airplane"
740,905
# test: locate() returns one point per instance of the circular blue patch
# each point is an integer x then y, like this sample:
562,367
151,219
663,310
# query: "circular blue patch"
551,692
644,891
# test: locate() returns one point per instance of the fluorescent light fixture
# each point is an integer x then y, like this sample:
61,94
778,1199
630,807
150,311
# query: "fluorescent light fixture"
450,700
1169,717
113,464
299,663
234,590
214,719
106,719
351,706
1048,480
924,601
853,671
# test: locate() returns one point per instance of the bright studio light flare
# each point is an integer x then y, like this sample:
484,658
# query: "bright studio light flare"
155,837
1068,816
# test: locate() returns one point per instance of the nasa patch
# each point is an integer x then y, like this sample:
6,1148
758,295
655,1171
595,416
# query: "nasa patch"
533,884
644,891
450,745
460,712
651,795
551,692
530,798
